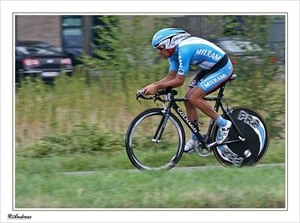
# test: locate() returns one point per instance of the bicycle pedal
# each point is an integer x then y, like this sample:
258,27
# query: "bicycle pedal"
190,151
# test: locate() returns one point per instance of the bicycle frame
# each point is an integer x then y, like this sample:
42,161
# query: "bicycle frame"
218,104
236,150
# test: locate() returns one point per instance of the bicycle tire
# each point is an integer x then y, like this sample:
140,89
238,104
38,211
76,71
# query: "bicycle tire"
147,154
252,150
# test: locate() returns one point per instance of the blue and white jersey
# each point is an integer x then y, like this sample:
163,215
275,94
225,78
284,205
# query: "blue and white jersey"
195,51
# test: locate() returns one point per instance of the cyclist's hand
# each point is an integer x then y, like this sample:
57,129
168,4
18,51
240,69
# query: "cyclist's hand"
150,89
140,92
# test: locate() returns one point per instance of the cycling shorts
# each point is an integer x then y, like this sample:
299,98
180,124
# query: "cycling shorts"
211,80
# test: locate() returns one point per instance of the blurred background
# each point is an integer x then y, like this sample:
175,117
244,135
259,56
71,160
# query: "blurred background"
75,33
87,68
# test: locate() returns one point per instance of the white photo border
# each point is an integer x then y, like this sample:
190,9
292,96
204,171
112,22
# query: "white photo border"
291,8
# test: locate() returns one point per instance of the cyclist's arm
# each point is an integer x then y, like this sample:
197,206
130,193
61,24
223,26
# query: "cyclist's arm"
174,82
171,75
179,69
171,80
173,69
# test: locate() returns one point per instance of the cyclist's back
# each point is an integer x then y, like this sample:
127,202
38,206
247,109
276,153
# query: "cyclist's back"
195,51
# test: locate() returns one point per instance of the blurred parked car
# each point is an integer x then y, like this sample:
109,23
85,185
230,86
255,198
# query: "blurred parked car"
40,59
240,48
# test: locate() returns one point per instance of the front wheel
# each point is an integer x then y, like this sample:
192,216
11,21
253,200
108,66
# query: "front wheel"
154,140
255,131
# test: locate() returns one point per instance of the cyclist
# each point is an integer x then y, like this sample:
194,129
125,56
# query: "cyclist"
181,49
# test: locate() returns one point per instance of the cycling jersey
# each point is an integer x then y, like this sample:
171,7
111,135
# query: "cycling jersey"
195,51
206,55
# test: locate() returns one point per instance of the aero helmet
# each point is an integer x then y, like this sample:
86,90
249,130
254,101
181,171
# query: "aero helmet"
170,37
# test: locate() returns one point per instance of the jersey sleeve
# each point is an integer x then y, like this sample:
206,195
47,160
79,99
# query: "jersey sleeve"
184,58
173,63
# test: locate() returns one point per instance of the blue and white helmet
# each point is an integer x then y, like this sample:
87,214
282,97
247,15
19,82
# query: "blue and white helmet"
170,37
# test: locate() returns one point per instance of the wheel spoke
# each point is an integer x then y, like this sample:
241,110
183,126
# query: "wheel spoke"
151,147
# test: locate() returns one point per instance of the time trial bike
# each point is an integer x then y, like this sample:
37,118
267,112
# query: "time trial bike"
155,139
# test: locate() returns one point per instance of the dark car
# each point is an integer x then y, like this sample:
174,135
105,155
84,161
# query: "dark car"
40,59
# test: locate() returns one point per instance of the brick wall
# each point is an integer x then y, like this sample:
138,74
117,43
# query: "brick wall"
39,27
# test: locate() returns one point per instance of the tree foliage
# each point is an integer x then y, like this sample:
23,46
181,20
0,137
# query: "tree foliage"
257,85
124,45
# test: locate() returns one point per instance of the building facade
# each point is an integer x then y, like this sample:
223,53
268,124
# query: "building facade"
75,33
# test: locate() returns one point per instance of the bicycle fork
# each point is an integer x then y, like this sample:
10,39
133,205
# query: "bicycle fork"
161,127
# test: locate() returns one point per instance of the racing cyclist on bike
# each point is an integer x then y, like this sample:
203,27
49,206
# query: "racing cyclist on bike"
181,49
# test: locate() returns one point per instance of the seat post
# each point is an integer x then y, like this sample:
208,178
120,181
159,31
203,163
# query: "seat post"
221,91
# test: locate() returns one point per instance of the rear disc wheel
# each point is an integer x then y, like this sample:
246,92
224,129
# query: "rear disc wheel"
249,152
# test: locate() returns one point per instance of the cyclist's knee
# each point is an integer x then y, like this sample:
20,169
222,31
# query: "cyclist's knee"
188,104
188,92
192,100
196,94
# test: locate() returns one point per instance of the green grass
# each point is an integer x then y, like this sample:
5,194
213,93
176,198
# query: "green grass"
103,180
207,188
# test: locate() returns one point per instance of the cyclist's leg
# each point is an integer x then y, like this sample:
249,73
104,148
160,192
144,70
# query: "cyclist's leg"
192,112
211,82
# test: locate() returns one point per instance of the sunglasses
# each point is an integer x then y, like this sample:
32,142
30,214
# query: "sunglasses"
160,47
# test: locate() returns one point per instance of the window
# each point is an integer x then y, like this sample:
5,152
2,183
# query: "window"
71,21
72,34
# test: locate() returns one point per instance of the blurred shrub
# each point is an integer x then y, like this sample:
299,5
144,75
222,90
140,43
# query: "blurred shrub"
86,137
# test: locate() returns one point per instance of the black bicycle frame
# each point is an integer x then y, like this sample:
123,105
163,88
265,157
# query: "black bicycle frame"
172,104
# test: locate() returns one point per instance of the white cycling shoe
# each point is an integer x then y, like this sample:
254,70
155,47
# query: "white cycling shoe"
189,147
223,132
